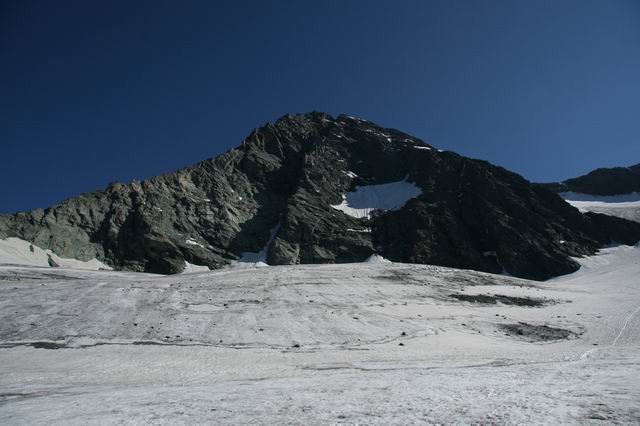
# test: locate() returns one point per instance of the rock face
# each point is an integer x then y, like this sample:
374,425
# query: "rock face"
275,193
605,181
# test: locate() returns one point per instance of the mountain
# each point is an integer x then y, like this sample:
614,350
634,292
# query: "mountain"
316,189
603,181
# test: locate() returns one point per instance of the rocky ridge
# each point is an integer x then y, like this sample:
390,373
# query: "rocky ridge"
603,181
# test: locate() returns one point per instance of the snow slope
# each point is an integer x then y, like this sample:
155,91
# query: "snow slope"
367,343
626,206
620,198
388,196
14,251
190,268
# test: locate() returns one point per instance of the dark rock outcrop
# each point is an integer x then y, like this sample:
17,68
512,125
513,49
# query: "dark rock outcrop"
277,190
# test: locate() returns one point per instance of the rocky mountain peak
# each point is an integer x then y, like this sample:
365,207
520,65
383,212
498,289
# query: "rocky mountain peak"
311,188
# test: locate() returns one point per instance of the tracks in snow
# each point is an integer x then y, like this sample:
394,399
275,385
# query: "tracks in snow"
615,341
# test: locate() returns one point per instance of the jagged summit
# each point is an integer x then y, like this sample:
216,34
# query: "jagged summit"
311,188
302,126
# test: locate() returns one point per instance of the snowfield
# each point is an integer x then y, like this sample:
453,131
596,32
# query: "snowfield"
626,206
14,251
369,343
364,200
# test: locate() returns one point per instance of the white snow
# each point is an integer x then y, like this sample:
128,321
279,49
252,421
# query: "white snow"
193,243
620,198
388,196
422,147
15,251
350,174
376,258
626,206
220,348
363,230
190,268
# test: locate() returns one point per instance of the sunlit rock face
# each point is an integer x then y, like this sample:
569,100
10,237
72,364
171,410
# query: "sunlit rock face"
316,189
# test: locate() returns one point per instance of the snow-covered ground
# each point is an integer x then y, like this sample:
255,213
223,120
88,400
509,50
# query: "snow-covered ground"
370,343
190,268
626,206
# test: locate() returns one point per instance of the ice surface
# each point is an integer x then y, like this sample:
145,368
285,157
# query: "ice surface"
387,196
366,343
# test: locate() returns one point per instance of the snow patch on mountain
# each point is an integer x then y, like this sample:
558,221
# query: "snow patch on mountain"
620,198
15,251
376,258
194,243
625,206
387,196
190,268
364,230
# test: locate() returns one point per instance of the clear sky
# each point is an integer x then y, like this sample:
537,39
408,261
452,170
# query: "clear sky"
98,91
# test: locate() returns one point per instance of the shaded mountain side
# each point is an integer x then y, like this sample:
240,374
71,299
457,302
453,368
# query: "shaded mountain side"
604,181
281,183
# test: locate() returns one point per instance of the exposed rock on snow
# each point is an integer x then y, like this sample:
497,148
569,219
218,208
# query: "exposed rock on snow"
537,333
500,298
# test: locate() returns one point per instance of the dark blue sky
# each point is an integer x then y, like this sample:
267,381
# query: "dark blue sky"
93,92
